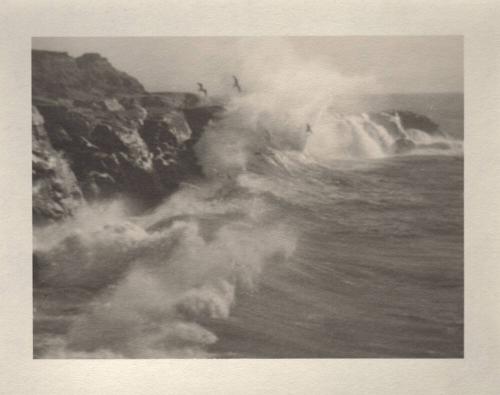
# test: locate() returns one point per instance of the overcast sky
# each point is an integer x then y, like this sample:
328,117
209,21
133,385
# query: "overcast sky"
388,64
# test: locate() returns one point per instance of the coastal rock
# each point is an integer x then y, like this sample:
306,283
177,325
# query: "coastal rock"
90,76
56,193
198,117
402,145
408,119
98,134
171,100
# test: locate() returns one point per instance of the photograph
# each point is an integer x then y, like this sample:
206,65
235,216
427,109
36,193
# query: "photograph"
247,197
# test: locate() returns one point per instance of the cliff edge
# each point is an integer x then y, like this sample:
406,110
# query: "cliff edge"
97,134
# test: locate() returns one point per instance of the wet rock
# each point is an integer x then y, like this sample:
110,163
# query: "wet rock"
402,145
97,131
199,117
408,119
112,105
56,193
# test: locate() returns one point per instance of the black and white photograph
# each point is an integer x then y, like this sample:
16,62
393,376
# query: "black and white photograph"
248,197
265,197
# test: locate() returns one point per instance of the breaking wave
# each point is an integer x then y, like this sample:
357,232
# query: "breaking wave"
155,281
111,285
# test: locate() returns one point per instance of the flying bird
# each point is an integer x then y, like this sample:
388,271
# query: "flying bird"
236,84
201,88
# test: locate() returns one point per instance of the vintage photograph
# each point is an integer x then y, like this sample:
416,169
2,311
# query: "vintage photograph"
248,197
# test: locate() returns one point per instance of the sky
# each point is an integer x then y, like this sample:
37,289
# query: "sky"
373,64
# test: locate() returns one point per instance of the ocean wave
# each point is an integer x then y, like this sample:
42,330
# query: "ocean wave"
152,286
146,286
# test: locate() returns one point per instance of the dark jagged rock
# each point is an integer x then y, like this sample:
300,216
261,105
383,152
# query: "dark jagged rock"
56,193
409,120
98,134
58,75
402,145
199,117
171,99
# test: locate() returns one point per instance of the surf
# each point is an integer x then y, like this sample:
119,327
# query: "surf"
157,284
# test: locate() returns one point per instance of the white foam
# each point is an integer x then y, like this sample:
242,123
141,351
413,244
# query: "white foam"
153,286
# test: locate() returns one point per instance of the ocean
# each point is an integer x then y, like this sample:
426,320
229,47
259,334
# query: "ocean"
296,244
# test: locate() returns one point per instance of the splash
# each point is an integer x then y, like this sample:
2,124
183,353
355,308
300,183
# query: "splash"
149,286
152,281
287,104
281,95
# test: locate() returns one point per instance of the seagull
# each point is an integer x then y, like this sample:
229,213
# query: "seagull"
236,84
201,88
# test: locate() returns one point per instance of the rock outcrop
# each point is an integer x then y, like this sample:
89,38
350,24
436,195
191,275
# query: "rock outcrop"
402,145
58,75
98,134
408,119
56,193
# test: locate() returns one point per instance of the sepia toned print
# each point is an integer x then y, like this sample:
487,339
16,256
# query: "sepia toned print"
229,197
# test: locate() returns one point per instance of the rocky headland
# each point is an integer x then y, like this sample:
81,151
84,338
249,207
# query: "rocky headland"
98,134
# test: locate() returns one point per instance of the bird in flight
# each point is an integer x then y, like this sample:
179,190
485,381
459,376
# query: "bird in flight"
201,88
236,84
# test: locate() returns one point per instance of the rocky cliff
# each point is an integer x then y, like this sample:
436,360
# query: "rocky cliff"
98,134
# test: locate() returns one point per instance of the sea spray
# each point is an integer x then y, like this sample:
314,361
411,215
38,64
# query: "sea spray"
282,94
289,105
121,286
153,286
